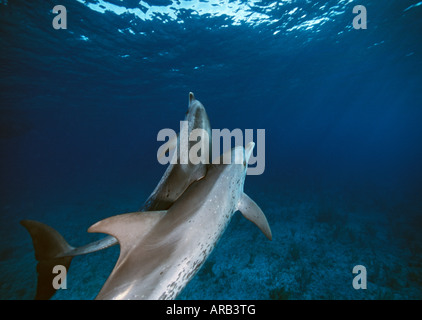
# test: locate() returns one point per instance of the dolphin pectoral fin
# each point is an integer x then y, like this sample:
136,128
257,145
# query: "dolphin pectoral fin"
129,227
252,212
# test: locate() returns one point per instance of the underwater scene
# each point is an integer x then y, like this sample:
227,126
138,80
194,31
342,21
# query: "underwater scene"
330,92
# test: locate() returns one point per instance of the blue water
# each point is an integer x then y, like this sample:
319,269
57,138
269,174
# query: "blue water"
80,109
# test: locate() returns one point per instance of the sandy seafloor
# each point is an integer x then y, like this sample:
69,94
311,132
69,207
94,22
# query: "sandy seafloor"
318,237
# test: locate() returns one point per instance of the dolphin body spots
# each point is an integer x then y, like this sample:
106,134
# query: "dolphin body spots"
160,251
52,249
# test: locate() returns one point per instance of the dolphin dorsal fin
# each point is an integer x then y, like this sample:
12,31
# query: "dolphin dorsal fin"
128,228
252,212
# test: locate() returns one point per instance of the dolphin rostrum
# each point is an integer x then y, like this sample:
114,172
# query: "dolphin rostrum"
52,249
161,251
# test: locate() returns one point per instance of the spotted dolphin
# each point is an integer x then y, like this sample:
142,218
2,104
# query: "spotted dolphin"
160,251
178,175
52,249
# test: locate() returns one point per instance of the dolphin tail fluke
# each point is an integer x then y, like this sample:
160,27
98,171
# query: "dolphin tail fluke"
50,249
251,211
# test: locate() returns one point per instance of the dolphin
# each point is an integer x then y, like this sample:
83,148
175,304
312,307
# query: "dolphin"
52,249
160,251
179,176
